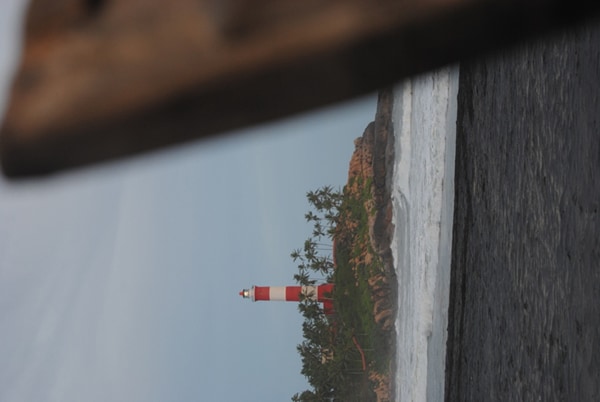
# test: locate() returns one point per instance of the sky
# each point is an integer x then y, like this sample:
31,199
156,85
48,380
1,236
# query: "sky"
120,282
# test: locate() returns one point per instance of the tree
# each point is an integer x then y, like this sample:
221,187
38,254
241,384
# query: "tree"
314,258
315,263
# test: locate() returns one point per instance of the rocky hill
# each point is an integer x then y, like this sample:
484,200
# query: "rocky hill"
371,170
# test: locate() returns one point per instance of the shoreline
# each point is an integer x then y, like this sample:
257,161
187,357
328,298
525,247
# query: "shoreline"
425,112
409,151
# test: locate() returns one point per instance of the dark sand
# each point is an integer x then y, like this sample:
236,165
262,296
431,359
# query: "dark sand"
524,317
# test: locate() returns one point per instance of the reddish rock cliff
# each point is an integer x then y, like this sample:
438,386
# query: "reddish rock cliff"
372,163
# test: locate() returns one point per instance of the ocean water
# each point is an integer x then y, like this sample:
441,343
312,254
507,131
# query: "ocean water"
424,119
525,297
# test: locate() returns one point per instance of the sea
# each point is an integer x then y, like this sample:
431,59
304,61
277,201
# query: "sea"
525,286
424,121
497,225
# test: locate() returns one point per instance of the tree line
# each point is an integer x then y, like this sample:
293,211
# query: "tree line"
330,360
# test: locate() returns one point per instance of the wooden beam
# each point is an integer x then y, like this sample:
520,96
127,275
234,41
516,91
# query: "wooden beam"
105,79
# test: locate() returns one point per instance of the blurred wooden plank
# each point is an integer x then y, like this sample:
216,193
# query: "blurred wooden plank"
105,79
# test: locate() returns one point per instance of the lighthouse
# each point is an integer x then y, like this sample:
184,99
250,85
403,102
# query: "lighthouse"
320,293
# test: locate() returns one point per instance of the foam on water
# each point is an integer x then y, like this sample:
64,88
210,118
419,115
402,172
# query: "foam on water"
424,118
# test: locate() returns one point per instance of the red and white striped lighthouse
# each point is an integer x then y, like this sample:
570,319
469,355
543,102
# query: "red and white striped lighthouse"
320,293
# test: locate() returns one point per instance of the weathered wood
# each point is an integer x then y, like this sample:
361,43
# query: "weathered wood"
100,80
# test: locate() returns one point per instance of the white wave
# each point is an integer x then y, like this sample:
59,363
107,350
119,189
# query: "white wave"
424,118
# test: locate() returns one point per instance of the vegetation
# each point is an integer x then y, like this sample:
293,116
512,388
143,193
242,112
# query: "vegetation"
340,351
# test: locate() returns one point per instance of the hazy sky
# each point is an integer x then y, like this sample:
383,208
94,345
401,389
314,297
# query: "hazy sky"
119,283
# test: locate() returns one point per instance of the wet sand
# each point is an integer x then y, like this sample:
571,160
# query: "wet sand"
524,313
